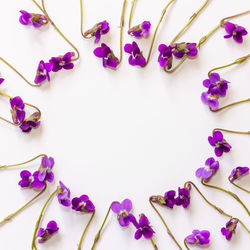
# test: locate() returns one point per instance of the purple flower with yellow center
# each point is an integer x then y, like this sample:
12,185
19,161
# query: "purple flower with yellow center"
98,30
219,143
181,49
123,211
165,58
29,180
43,71
198,237
83,204
31,122
62,62
17,109
235,31
211,167
216,85
45,170
45,234
230,228
37,20
63,195
141,30
169,198
107,55
183,198
238,172
136,57
210,100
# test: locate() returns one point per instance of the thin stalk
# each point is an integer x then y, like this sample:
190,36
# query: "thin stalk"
230,17
81,239
165,224
100,230
231,131
229,105
9,217
81,7
22,163
248,191
131,13
153,243
185,243
33,246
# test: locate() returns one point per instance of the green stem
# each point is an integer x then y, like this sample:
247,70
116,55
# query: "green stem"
131,13
248,191
22,163
57,29
229,105
163,221
14,69
153,243
231,131
84,36
33,246
185,243
230,17
80,243
100,230
9,217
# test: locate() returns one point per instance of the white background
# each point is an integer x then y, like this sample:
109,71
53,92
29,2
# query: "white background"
128,133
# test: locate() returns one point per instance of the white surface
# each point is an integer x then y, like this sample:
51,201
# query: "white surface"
127,133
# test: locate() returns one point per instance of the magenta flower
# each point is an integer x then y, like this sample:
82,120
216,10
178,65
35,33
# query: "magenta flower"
219,143
37,20
136,57
1,80
82,204
169,198
165,58
45,170
181,49
43,71
235,31
63,195
31,122
62,62
123,211
29,180
230,228
47,233
183,198
198,237
238,172
141,30
211,167
210,100
98,30
107,55
17,109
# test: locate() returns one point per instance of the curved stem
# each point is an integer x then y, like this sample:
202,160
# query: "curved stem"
100,230
165,224
37,109
185,243
131,13
80,243
248,191
57,29
153,243
229,105
22,163
231,131
24,78
9,217
230,17
33,246
191,19
84,36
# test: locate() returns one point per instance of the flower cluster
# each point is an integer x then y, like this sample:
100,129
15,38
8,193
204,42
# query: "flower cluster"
98,30
141,30
37,20
55,64
235,31
211,167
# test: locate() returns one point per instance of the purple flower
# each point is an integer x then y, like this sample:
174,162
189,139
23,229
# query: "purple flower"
17,109
43,72
183,198
31,122
230,228
136,57
210,100
216,85
238,172
107,55
141,30
235,31
219,143
123,211
63,195
169,198
99,29
198,237
46,234
37,20
62,62
1,80
165,58
211,167
82,204
45,170
182,49
29,180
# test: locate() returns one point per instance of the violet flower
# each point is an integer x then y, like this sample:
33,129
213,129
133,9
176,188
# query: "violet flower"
45,170
136,57
43,71
210,100
82,204
230,228
63,195
1,80
220,144
183,198
123,211
107,55
238,172
181,49
31,122
29,180
235,31
165,58
17,109
141,30
99,29
62,62
37,20
198,237
169,198
211,167
47,233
